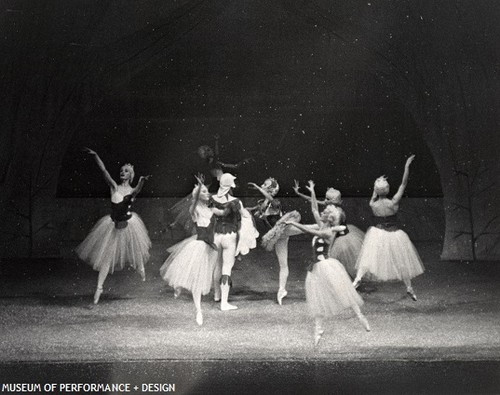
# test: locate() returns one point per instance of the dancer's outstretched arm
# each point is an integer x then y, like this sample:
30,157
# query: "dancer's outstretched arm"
100,163
140,184
324,233
196,197
399,194
266,194
314,203
304,196
231,166
374,197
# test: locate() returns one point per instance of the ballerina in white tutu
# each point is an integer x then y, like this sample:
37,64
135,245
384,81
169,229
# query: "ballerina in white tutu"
329,290
348,243
192,262
268,213
388,253
121,238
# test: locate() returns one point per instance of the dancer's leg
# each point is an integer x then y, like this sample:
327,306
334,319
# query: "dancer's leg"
217,277
361,317
103,273
318,329
281,249
197,304
228,251
409,289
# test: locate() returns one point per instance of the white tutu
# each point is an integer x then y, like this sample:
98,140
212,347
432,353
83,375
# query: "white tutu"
107,245
248,234
388,256
346,248
329,289
279,229
190,266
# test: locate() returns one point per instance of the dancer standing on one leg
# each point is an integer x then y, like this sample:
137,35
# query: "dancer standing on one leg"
228,236
348,243
268,212
388,253
120,238
329,289
192,262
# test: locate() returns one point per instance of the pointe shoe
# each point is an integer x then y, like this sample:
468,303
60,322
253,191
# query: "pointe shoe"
365,323
177,293
217,297
97,295
199,318
281,294
412,295
227,307
355,284
317,336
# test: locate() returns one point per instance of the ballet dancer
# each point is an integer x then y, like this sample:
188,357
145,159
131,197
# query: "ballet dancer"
120,238
268,213
329,289
349,242
192,262
231,236
388,253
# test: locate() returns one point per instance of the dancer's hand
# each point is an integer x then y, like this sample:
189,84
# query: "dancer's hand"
310,187
296,186
145,178
200,178
89,151
409,160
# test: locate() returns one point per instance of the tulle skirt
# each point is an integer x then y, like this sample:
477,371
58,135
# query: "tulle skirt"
107,245
329,289
190,266
346,248
388,256
279,229
248,234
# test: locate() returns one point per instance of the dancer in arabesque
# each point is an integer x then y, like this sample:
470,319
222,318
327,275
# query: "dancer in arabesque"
268,212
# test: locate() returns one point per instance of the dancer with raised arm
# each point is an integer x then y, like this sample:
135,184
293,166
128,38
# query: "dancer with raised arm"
192,262
388,253
268,212
121,238
349,242
329,290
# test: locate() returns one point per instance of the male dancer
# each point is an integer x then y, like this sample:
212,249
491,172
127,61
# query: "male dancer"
226,237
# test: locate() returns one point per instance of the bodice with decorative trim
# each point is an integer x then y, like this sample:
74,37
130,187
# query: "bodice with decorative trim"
231,221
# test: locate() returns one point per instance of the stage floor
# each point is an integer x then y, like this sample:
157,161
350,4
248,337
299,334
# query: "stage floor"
47,319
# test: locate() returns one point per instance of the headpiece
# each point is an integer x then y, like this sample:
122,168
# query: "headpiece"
271,185
226,182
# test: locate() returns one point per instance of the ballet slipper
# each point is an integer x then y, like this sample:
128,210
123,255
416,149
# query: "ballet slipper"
97,295
281,294
199,318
